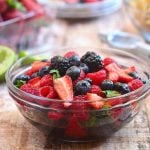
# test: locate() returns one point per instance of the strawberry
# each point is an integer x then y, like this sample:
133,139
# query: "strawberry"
37,65
95,89
70,54
113,76
135,84
55,115
46,80
123,77
130,69
74,129
96,101
3,5
29,72
64,89
35,82
108,61
113,67
97,77
114,101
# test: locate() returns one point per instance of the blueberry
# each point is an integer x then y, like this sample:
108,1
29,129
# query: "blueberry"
82,87
121,87
84,67
134,75
88,80
43,71
73,72
22,77
74,60
107,85
34,75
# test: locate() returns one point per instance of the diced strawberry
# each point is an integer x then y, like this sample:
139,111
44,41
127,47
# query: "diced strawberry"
123,77
113,67
113,76
35,82
95,89
55,115
135,84
70,54
130,69
96,101
64,88
37,65
81,77
46,80
108,61
115,101
29,72
74,129
97,77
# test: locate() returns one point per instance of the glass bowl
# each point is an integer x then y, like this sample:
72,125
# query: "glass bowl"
138,11
23,33
87,124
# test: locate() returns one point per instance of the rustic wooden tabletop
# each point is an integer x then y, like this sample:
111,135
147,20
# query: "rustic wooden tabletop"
18,134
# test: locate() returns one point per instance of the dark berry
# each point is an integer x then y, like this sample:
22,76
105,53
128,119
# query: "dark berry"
60,63
107,85
34,75
121,87
74,60
88,80
73,72
44,60
84,67
43,71
82,87
22,77
93,61
134,75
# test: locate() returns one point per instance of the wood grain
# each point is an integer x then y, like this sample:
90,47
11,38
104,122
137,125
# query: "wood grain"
17,134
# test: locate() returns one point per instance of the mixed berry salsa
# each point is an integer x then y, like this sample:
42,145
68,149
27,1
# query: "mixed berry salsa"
81,92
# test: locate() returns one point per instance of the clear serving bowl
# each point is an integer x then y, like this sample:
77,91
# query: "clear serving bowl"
138,11
100,123
23,33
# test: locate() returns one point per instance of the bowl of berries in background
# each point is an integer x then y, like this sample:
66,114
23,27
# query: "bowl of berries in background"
21,22
79,94
83,8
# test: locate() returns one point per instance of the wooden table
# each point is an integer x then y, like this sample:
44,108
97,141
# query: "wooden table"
17,134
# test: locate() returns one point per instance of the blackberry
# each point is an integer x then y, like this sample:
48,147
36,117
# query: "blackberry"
121,87
84,67
74,60
93,61
43,71
60,63
134,75
107,85
73,72
82,87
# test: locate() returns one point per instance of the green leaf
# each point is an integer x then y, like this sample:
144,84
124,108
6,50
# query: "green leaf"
55,73
91,122
110,93
15,4
19,83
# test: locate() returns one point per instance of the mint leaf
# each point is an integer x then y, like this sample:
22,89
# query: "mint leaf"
55,73
110,93
19,83
15,4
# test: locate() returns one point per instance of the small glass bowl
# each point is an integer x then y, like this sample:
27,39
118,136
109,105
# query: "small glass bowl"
138,11
92,124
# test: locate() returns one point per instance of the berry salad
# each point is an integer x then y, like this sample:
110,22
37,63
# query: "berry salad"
80,94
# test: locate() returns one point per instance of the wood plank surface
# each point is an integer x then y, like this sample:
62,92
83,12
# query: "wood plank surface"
18,134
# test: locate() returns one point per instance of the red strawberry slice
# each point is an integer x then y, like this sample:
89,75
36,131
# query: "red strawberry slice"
130,69
108,61
123,77
113,76
115,101
97,77
135,84
113,67
37,65
35,82
97,100
70,54
64,89
46,80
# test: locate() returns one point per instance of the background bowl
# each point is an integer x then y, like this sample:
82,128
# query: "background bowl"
99,123
138,11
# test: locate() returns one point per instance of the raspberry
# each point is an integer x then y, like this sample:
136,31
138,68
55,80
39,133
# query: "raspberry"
95,89
70,54
55,115
30,89
97,77
135,84
108,61
47,80
52,93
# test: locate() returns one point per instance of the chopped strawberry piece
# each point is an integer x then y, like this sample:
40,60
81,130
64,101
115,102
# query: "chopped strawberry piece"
74,129
35,81
55,115
95,89
97,77
130,69
113,67
46,80
115,101
29,72
64,88
123,77
135,84
113,76
37,65
96,101
70,54
108,61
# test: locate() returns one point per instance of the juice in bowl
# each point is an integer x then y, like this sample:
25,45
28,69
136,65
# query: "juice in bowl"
79,94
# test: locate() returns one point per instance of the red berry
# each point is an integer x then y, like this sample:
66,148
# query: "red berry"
114,101
35,81
46,80
52,94
95,89
97,77
29,72
135,84
113,76
3,5
130,69
70,54
55,115
113,67
123,77
108,61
